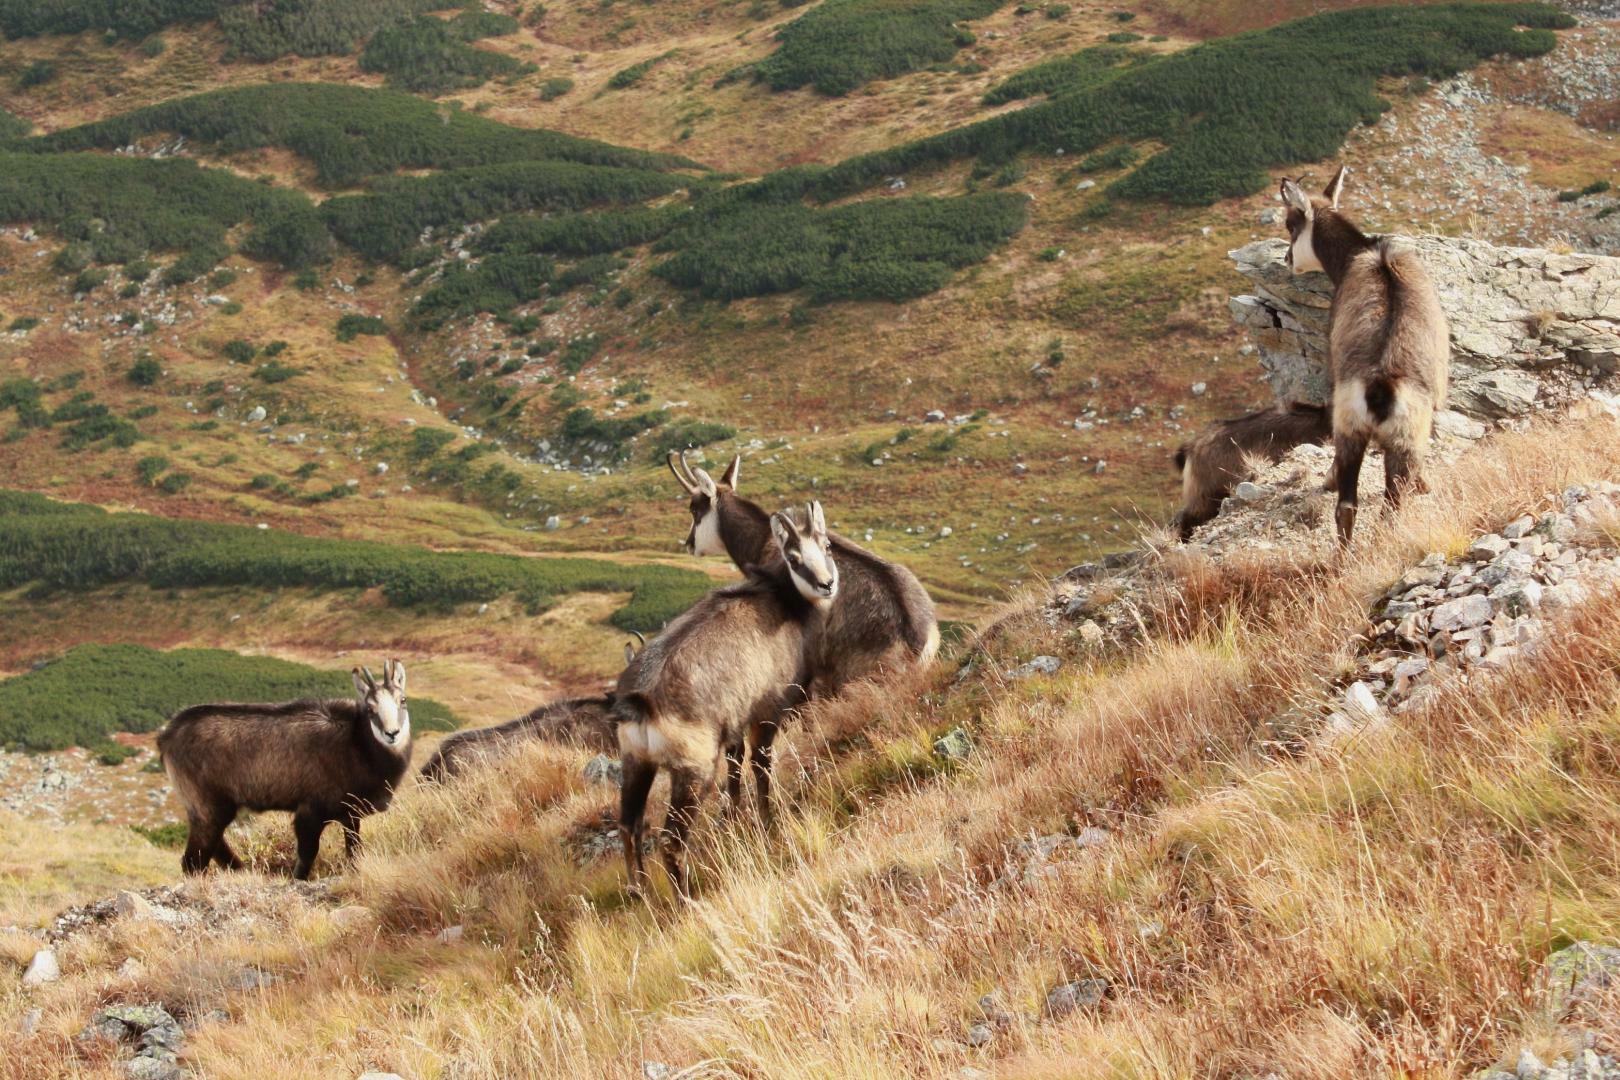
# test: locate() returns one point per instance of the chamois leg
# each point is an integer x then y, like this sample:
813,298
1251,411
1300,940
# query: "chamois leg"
760,759
637,782
307,826
687,789
350,821
1196,513
1401,475
223,855
202,835
734,771
1348,451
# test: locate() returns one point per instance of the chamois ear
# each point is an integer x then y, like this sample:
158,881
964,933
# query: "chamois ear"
1294,196
1335,186
729,477
394,676
783,532
363,682
817,520
705,483
629,653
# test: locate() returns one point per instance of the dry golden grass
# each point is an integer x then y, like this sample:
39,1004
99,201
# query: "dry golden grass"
1373,906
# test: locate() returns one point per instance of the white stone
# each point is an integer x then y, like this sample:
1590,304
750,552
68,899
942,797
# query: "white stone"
42,969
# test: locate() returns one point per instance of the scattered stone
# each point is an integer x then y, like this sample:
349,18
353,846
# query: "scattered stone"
42,969
1041,665
1575,972
1271,215
603,769
553,523
257,414
934,416
1090,632
1519,527
1459,614
1487,547
1199,389
656,1070
450,935
1082,994
953,745
1248,491
980,1034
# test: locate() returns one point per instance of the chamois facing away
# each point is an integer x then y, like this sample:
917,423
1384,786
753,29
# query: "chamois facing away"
1215,461
883,618
1388,343
586,722
336,760
717,679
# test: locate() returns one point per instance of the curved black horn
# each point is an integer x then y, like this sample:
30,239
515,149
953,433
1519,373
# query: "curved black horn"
685,481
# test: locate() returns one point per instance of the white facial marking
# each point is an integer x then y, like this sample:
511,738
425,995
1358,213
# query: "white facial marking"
814,575
1304,252
706,535
391,721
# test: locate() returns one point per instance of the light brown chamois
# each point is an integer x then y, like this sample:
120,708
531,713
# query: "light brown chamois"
1214,462
1388,344
882,619
324,761
718,678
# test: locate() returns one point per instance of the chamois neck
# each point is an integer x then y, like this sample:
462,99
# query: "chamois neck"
1337,241
745,530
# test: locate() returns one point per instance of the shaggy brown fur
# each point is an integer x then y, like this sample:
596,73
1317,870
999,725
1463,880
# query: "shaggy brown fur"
883,618
586,722
717,679
318,759
1388,340
1215,461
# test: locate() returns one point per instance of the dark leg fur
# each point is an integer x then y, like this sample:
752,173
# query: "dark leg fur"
687,790
637,782
734,771
307,827
760,759
1348,451
1401,475
1195,514
350,821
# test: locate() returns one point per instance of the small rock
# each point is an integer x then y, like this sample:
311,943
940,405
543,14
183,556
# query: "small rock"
656,1070
42,969
944,531
934,416
553,523
1090,632
1487,548
30,1021
251,978
1517,597
603,769
1529,1066
257,414
1248,491
1518,527
1085,185
1198,389
1041,665
1098,468
1461,613
953,745
450,935
1083,994
1271,215
1574,972
1361,703
980,1034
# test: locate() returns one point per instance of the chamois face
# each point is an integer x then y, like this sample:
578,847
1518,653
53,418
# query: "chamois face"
384,704
706,496
1304,212
808,553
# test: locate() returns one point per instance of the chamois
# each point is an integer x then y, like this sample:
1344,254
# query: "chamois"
882,618
583,721
1388,344
1218,458
717,678
336,760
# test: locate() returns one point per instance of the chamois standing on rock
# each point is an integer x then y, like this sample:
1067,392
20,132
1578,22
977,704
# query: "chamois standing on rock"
882,618
1388,344
336,760
586,722
716,679
1215,461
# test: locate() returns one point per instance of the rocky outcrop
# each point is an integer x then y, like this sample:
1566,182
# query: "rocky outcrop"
1530,329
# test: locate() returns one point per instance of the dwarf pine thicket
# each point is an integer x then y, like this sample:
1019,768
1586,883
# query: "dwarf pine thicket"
431,56
70,546
840,45
92,691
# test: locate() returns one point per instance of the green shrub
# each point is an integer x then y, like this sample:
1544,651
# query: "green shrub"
888,249
593,270
23,323
429,55
1232,108
688,434
843,44
276,372
262,481
153,47
1123,37
579,352
426,442
92,691
349,133
1596,187
170,835
580,234
552,89
1088,67
174,483
38,73
30,18
628,77
352,325
498,283
607,435
71,546
149,468
238,351
145,371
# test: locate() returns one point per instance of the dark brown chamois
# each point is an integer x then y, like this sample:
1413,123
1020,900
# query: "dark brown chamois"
1388,344
1218,459
882,619
716,679
336,760
585,722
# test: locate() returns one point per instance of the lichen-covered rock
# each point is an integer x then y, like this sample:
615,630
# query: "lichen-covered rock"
1526,324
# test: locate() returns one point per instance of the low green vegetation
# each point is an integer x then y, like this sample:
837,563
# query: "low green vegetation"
844,44
70,546
1596,187
625,78
887,249
1230,108
352,325
84,696
432,56
579,234
1086,68
30,18
350,133
119,209
266,30
498,283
